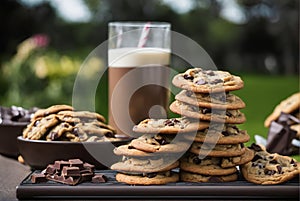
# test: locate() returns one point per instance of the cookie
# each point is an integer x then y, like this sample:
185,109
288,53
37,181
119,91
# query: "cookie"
208,166
237,160
58,131
145,165
207,81
221,134
214,100
160,143
288,105
208,114
92,128
158,178
266,168
192,177
296,127
85,116
52,110
38,128
219,150
129,150
169,126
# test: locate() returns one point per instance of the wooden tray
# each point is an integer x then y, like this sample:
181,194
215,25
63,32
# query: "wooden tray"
240,189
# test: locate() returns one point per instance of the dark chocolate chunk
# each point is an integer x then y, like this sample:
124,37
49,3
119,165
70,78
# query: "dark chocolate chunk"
99,178
60,164
225,133
215,179
131,147
50,169
269,172
209,72
188,77
197,160
151,175
255,147
256,157
86,177
65,180
201,82
76,163
228,114
216,81
38,178
89,166
274,161
279,168
189,93
70,171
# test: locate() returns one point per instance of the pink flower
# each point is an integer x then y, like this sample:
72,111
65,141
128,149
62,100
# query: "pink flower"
40,40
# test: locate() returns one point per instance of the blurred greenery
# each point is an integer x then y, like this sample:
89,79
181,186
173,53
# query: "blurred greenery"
263,50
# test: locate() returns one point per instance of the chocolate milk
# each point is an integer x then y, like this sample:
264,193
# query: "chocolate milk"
138,86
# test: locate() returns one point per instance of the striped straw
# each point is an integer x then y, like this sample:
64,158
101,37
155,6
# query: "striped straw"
144,35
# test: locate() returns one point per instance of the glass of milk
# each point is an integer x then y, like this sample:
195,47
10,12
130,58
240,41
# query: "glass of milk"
138,69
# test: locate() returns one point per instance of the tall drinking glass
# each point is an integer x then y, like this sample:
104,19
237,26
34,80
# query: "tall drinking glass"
138,69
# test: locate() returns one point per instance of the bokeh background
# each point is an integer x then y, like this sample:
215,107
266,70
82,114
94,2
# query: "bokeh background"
44,42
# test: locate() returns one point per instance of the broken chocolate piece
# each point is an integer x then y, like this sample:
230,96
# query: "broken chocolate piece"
58,165
50,169
99,178
38,178
76,163
70,171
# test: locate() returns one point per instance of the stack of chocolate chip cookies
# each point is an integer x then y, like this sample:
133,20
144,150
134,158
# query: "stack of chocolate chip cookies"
217,150
64,123
150,158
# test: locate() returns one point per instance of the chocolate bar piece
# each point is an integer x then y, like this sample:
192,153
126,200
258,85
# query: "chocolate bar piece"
50,169
38,178
58,165
64,179
99,178
70,171
89,166
76,163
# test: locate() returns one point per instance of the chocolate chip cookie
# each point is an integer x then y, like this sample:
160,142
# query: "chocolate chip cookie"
213,100
288,106
145,165
192,177
266,168
52,110
208,166
160,143
221,134
157,178
208,114
219,150
170,126
207,81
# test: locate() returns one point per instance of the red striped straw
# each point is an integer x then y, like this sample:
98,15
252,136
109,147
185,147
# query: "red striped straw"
144,35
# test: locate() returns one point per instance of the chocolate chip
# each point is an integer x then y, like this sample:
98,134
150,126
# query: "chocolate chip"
216,81
209,72
255,147
256,157
188,77
215,179
197,160
130,147
176,121
279,168
225,133
229,114
269,172
260,165
201,82
189,93
151,175
293,163
273,161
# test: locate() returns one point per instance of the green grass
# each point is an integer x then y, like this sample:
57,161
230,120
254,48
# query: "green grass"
261,95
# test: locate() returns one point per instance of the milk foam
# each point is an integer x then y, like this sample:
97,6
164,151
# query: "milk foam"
135,57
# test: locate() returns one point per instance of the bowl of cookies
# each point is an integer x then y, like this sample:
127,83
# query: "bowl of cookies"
12,122
60,132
